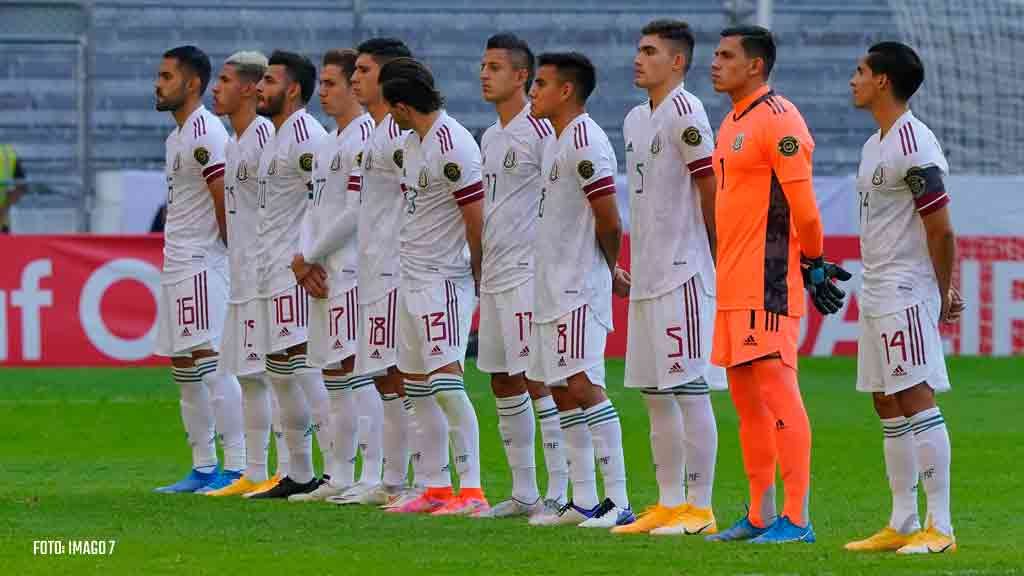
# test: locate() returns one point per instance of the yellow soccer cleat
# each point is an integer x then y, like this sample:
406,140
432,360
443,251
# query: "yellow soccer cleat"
236,488
885,540
929,541
692,520
651,518
263,486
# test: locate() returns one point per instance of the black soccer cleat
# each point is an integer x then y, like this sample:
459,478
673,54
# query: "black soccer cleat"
287,487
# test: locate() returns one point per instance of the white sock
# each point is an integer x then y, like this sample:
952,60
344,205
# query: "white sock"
197,416
463,428
312,382
579,453
277,434
415,433
554,448
227,411
931,444
515,422
394,440
370,409
606,431
296,423
256,410
433,437
901,468
667,447
701,441
343,430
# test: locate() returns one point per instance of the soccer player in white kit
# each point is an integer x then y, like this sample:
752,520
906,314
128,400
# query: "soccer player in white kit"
285,181
512,149
908,249
671,298
326,268
439,253
578,238
234,96
194,282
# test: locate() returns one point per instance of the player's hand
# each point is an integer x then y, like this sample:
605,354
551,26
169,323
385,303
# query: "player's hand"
621,283
953,306
300,268
819,279
315,281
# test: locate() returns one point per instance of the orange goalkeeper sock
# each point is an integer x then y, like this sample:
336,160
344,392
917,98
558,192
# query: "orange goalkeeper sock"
757,440
781,394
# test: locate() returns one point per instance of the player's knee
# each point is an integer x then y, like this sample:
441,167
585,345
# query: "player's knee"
506,386
916,399
452,368
584,392
886,406
182,361
537,390
564,399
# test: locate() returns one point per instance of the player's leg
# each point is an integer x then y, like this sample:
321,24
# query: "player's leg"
369,409
553,442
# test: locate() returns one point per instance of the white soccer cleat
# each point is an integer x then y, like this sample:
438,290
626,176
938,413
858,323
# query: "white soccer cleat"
568,515
322,493
512,508
402,497
353,495
609,515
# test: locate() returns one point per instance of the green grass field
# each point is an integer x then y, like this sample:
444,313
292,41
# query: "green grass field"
82,450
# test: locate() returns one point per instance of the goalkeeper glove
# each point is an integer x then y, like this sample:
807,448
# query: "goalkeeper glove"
818,279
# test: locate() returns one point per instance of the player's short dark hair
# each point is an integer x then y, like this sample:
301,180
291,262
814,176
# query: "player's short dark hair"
195,61
410,82
900,64
299,69
677,32
344,58
384,50
574,68
757,42
519,51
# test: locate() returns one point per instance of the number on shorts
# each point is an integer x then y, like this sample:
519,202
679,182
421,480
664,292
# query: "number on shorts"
378,330
896,341
525,320
562,340
248,325
674,334
435,320
336,314
186,311
284,308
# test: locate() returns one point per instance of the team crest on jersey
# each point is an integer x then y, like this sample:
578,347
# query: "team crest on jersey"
788,146
202,155
878,177
554,172
737,144
242,173
423,180
692,136
452,171
177,162
586,169
398,158
510,160
336,162
306,162
655,145
272,169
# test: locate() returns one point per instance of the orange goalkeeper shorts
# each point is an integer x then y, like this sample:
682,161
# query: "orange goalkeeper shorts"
745,335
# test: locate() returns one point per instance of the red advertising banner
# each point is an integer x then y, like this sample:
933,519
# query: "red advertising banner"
91,301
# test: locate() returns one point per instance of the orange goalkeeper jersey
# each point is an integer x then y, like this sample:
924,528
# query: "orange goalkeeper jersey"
763,145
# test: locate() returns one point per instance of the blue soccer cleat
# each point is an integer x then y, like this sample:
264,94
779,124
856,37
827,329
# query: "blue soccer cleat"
194,481
741,530
783,531
222,480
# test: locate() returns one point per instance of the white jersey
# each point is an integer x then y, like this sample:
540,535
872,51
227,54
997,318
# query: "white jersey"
665,150
900,176
332,212
194,158
578,168
381,207
285,182
511,167
441,174
241,206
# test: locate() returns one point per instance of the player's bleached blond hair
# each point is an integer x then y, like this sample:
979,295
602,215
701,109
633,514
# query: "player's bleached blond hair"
249,64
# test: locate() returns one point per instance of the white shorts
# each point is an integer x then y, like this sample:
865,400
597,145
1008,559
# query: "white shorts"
333,327
504,331
238,352
669,340
190,314
375,346
435,323
901,350
570,345
283,320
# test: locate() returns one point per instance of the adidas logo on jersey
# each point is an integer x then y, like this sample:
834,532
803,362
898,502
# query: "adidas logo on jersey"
338,345
185,332
436,351
284,332
561,362
899,371
676,368
375,355
525,352
253,356
750,341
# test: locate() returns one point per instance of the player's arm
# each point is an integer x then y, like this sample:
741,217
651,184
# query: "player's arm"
695,143
607,227
706,186
931,201
209,153
473,218
595,173
216,188
462,174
